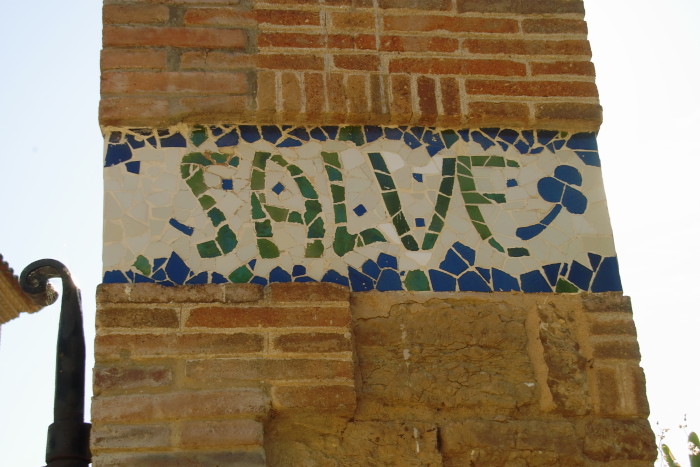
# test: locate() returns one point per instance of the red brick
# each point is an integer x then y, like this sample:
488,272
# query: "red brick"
107,378
313,342
132,110
426,95
563,68
130,317
451,101
527,47
498,113
154,293
288,39
308,292
121,36
443,5
179,405
187,82
418,44
211,60
290,62
111,59
221,16
455,66
354,20
221,433
401,101
554,26
431,23
288,17
518,6
261,316
531,88
225,370
333,397
135,14
363,62
177,344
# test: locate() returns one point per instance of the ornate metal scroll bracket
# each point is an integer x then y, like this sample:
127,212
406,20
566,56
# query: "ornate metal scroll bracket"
68,441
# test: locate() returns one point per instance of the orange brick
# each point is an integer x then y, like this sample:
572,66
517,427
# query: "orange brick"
498,113
221,16
210,109
315,93
290,62
401,101
612,324
211,60
285,39
132,110
177,344
357,98
187,82
627,349
179,405
154,293
288,17
308,292
528,7
454,66
377,96
431,23
449,88
582,68
121,36
314,397
531,88
336,95
291,94
225,370
111,59
129,437
266,93
234,317
527,47
107,378
313,342
554,26
221,433
341,41
563,114
418,44
354,20
363,62
135,14
129,317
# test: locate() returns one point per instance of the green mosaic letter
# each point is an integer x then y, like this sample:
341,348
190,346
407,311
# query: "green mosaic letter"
264,213
192,168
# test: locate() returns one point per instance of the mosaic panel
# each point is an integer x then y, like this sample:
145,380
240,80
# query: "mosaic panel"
385,208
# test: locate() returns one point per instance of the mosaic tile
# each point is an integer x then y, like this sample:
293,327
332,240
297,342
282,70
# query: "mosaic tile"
375,208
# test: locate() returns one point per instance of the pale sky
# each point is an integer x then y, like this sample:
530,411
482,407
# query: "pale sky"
647,60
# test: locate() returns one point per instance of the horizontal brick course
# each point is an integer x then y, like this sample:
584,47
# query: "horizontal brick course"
314,342
268,316
177,344
180,405
227,370
124,378
221,433
335,397
308,292
130,317
424,39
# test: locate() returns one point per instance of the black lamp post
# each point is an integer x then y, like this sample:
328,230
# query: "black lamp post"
68,441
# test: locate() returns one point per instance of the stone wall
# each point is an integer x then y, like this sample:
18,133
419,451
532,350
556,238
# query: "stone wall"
306,374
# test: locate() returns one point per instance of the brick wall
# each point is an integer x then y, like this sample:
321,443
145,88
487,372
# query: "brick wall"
458,63
241,375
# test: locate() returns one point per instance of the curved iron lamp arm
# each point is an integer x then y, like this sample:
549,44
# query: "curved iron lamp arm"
68,442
